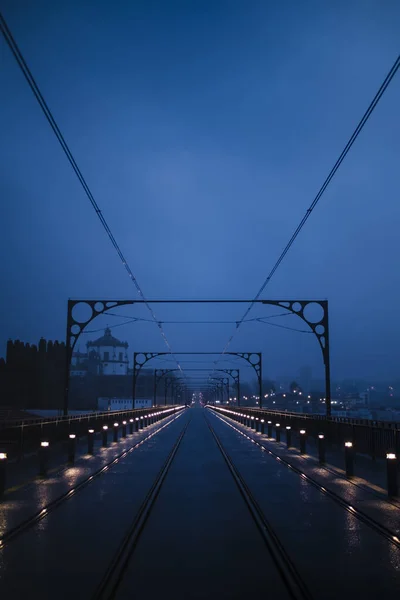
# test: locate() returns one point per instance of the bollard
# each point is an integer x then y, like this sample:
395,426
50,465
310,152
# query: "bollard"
349,458
269,429
90,441
130,426
71,448
321,448
124,429
278,432
3,472
288,436
253,423
302,441
262,426
105,436
257,424
44,458
141,423
137,424
391,470
115,436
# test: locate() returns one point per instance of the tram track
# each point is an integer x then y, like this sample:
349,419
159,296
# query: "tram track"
294,583
391,536
13,533
109,584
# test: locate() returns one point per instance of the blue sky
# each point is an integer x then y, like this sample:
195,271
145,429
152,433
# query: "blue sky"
204,130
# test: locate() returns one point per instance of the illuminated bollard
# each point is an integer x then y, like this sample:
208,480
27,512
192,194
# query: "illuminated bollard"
3,472
90,441
391,471
124,429
349,458
44,458
115,433
137,424
257,424
302,441
141,423
71,448
262,426
278,432
321,448
288,436
131,426
105,436
269,429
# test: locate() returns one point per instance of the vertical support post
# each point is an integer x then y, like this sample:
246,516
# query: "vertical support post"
155,388
44,458
68,356
90,441
260,381
391,470
3,472
134,379
105,436
349,458
288,436
238,389
71,448
302,441
327,363
321,448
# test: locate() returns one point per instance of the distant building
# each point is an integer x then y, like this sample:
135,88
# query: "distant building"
104,404
105,356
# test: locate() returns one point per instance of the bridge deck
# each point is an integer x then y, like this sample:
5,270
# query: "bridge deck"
192,528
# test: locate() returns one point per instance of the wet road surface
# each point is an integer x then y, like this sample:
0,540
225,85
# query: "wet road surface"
200,540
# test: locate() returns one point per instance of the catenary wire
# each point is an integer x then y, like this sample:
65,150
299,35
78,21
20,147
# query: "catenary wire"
321,191
39,97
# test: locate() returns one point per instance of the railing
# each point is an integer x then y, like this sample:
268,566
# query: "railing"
373,438
18,438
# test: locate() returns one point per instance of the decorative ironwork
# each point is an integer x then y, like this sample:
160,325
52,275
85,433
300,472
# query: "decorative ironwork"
319,327
75,328
254,359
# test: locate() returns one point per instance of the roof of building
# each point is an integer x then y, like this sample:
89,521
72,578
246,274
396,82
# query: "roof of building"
107,340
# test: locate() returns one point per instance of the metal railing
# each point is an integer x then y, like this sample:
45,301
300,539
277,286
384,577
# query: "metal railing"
372,438
19,438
